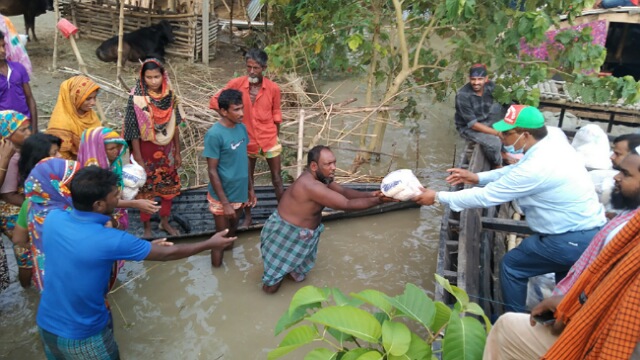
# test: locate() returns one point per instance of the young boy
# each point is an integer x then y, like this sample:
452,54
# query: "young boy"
225,147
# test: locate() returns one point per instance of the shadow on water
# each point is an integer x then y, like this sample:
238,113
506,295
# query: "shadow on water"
187,310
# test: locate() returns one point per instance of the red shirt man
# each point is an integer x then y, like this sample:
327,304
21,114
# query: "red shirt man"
262,118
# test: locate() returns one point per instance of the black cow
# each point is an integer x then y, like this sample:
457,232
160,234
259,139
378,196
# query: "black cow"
138,45
29,9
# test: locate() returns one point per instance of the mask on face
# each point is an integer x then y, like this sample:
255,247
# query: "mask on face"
511,148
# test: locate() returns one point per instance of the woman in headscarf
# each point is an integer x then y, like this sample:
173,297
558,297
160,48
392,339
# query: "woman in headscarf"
74,113
46,189
104,147
151,125
16,128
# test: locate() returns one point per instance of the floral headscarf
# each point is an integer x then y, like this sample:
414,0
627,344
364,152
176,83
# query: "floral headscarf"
92,149
10,121
46,188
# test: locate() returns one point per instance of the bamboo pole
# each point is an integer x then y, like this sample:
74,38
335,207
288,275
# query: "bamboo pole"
56,8
205,32
300,143
120,43
512,237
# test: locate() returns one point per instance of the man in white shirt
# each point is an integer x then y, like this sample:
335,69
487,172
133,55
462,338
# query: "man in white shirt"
517,335
551,186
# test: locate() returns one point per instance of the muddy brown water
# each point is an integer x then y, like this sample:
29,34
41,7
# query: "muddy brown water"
186,310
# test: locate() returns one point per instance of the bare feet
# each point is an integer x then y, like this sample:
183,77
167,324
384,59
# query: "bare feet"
24,275
166,227
296,277
271,289
147,230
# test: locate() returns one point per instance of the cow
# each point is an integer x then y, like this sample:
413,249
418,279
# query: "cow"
138,45
29,9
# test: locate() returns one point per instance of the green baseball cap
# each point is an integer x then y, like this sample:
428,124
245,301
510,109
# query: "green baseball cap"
520,116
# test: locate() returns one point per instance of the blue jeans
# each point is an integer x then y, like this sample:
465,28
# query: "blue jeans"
608,4
539,254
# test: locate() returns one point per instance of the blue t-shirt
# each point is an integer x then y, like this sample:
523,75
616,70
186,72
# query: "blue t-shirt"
80,252
229,146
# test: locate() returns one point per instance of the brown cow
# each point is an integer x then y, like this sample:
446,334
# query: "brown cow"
29,9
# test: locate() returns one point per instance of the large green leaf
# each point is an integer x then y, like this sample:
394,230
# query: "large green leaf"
287,320
375,298
341,299
321,354
294,339
458,293
396,338
418,349
340,336
355,353
349,320
464,338
475,309
415,304
371,355
443,313
307,295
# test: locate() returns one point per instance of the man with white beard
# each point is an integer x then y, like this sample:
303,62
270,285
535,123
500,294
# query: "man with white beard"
262,118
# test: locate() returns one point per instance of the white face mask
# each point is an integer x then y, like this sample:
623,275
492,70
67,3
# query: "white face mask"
511,148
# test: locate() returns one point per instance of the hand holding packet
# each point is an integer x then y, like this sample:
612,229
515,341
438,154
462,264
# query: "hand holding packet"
401,185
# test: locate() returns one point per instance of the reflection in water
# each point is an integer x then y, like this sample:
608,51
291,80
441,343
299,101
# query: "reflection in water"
187,310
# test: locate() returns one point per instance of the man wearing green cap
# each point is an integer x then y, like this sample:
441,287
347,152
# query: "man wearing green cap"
553,189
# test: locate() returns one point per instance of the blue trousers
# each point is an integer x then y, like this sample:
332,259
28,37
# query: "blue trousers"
539,254
608,4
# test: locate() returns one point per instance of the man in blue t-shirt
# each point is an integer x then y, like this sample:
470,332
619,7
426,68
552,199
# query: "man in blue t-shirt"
225,147
72,316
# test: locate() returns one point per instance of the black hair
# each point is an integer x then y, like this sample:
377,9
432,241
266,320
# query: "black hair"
258,56
35,148
314,153
91,184
633,140
151,65
537,134
2,35
229,97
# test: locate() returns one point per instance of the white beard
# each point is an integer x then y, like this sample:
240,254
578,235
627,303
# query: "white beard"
254,80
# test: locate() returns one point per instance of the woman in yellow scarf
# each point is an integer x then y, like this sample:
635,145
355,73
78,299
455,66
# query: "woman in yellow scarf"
74,113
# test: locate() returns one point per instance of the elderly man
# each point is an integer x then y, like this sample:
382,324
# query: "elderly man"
289,239
518,336
262,117
550,185
476,111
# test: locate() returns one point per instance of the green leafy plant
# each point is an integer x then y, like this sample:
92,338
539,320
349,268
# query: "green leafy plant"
370,325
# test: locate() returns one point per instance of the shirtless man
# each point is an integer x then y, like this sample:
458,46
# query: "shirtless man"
289,239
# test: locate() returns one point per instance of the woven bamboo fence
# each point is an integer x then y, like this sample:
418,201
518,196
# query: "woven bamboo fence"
100,22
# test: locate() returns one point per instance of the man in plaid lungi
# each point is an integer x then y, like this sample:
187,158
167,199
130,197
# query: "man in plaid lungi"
289,239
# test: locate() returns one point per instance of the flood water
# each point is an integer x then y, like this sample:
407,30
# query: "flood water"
186,310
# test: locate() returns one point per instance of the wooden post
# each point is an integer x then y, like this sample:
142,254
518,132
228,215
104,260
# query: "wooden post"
120,36
56,8
300,143
205,32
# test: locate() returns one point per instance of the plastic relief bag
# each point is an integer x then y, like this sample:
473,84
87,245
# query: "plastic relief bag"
133,177
401,185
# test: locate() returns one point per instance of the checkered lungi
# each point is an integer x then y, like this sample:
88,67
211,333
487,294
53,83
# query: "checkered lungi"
287,248
101,346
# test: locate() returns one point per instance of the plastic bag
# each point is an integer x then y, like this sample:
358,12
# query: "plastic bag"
539,288
133,177
401,185
593,144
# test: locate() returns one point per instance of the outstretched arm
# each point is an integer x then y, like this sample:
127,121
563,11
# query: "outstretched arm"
328,197
161,252
351,193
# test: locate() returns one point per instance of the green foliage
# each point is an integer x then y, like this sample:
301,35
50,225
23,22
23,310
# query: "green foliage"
373,325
